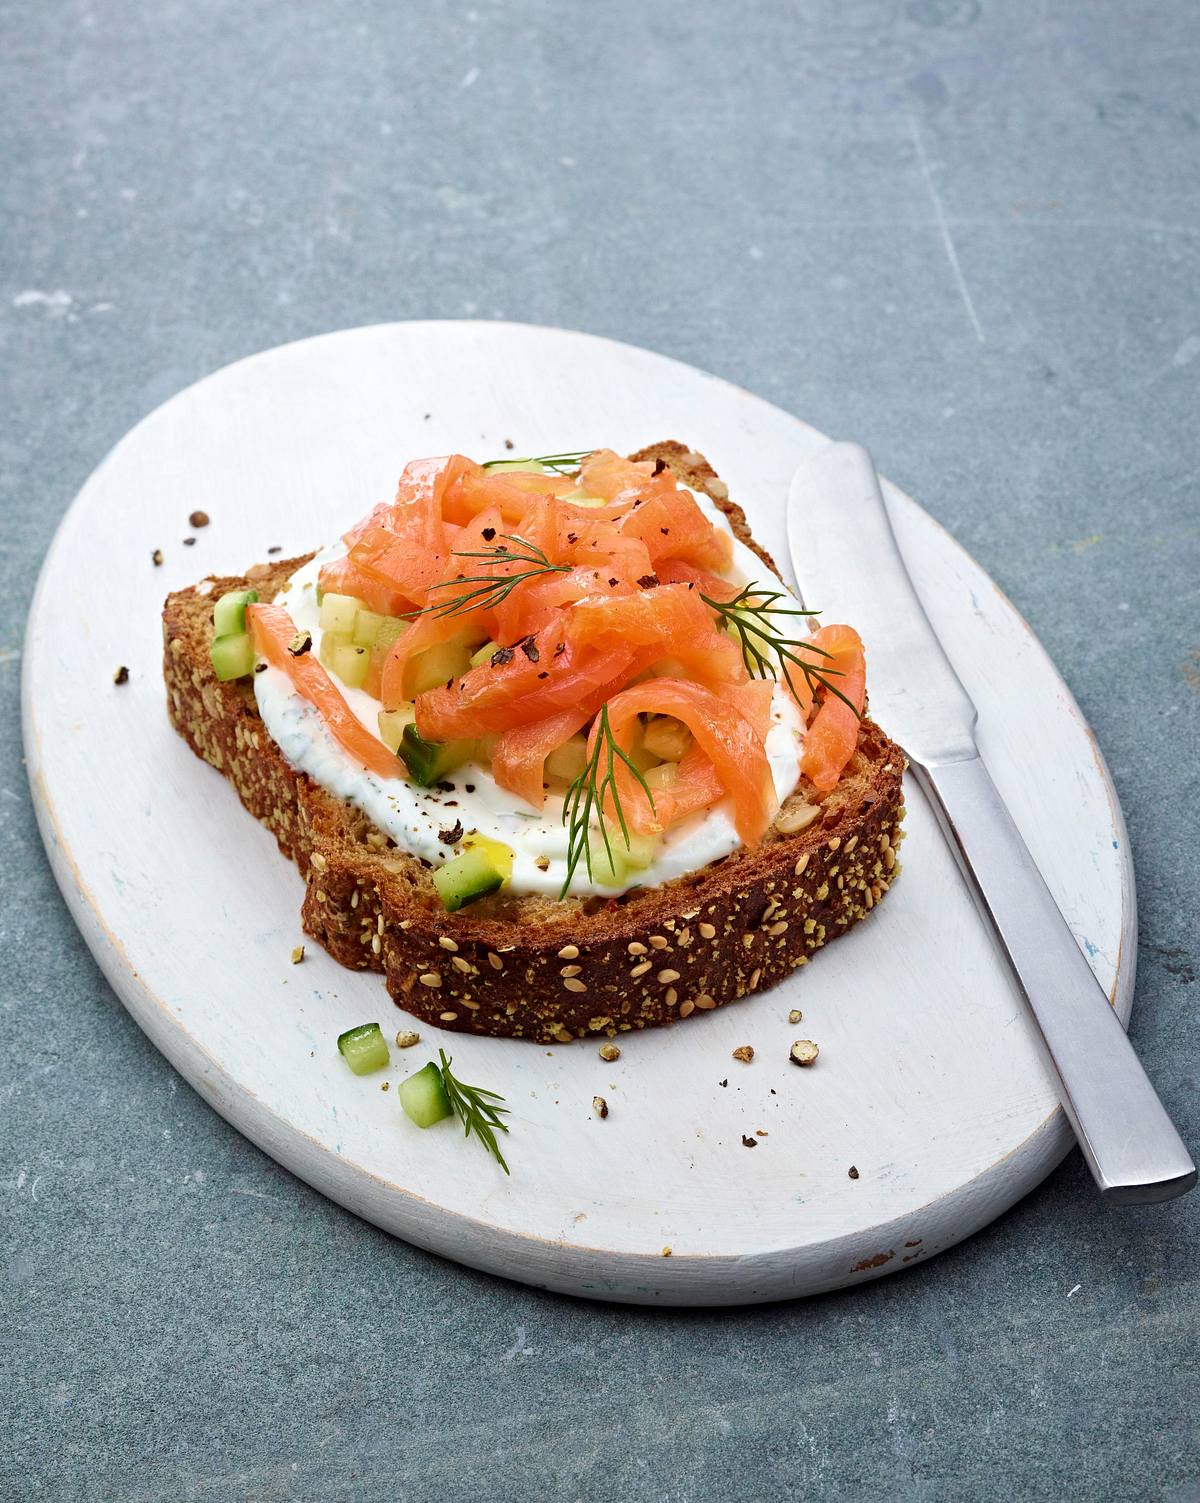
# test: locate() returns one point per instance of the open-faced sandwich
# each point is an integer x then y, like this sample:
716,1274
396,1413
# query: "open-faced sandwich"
550,742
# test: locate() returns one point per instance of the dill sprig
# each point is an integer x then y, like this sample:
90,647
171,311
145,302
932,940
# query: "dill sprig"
766,651
492,589
587,795
473,1107
557,464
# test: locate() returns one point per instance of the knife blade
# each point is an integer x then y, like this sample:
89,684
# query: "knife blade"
844,553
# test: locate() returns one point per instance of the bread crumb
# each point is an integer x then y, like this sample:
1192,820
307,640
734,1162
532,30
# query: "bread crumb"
405,1039
156,557
609,1053
760,1132
297,954
749,1142
795,1016
384,1085
666,1252
600,1106
121,676
745,1053
198,519
803,1052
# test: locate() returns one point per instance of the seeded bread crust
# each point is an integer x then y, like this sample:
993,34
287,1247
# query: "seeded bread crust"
529,966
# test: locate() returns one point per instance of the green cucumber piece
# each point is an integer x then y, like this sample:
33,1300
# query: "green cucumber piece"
609,867
567,762
423,1096
366,628
438,664
338,612
351,665
232,656
229,613
484,654
392,724
467,878
364,1048
428,762
389,629
516,467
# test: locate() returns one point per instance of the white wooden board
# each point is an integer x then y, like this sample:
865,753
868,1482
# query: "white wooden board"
930,1080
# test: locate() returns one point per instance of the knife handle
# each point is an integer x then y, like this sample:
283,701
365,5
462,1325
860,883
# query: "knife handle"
1128,1141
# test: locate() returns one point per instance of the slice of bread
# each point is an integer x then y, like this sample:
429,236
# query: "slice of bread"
528,966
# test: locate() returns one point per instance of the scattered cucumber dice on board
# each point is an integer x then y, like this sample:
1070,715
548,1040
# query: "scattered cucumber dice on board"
364,1048
423,1096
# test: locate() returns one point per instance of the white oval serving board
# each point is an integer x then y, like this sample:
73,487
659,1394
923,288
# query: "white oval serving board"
930,1080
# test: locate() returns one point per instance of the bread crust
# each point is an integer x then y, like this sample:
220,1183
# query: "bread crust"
528,966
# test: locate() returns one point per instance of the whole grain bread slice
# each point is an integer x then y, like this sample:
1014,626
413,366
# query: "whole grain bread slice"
528,966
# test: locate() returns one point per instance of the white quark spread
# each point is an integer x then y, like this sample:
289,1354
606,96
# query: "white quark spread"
415,817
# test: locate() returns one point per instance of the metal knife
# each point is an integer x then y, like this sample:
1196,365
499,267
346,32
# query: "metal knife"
843,547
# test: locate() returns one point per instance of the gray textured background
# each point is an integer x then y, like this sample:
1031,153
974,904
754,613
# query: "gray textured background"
964,233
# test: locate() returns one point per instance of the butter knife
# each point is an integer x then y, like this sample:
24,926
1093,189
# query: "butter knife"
843,549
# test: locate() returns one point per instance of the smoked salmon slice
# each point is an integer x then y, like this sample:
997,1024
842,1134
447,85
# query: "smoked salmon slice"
271,630
728,737
831,738
519,759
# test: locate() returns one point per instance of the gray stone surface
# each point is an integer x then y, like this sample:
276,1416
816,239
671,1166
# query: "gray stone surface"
965,233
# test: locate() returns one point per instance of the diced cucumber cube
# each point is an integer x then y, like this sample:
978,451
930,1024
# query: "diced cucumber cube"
364,1048
350,664
467,878
428,762
438,664
423,1097
640,852
501,855
392,724
338,612
662,777
366,628
485,654
390,627
232,656
331,642
608,865
667,738
519,466
566,762
229,613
